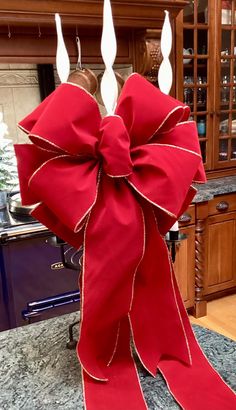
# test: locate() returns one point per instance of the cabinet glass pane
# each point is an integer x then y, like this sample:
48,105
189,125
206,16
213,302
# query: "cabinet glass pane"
224,125
201,126
202,46
234,93
226,11
202,11
233,149
224,97
188,41
225,73
189,12
225,45
188,96
223,149
201,93
233,125
195,69
203,150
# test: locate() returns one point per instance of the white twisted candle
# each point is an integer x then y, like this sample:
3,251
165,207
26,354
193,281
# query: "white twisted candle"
62,58
109,89
165,75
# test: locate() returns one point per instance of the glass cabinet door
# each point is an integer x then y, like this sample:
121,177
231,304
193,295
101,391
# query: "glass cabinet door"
195,70
225,146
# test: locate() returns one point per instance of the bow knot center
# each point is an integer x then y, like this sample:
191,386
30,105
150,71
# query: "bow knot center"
114,147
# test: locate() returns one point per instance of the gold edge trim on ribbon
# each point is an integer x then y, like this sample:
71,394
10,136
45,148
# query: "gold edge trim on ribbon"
173,289
134,277
143,252
151,202
193,187
48,142
165,120
135,367
83,89
177,147
185,122
83,389
118,176
230,388
183,408
172,271
77,229
36,206
23,129
135,346
82,304
115,347
198,182
177,306
42,165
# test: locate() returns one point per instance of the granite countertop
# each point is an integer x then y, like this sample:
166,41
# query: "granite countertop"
38,372
214,187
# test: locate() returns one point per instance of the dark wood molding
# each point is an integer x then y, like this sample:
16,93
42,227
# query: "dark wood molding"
132,13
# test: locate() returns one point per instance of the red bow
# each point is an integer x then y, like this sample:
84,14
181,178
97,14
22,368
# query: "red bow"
117,185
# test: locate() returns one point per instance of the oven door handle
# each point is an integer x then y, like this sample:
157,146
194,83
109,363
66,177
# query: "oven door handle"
35,308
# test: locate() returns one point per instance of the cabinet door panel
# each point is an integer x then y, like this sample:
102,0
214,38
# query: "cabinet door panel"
221,261
184,266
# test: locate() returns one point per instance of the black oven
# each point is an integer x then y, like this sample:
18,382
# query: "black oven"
34,283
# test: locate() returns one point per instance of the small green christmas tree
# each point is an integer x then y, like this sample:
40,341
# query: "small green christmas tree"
8,168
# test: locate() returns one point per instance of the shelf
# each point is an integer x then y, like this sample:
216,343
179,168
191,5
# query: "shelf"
210,66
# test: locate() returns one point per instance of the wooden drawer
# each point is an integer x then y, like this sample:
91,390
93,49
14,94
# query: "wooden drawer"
188,218
221,204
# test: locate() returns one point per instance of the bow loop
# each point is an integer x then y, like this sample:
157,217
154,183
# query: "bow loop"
146,110
126,269
62,122
114,147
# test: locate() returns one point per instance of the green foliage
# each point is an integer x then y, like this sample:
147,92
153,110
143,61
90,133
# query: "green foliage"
8,168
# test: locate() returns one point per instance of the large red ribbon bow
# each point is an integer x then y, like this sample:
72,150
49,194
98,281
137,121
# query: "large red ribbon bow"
117,184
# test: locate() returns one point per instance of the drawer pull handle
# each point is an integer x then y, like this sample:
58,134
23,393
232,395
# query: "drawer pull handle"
222,206
185,218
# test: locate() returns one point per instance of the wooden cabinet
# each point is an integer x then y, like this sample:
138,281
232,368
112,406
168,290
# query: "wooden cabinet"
184,265
206,78
205,264
221,245
206,81
215,250
28,35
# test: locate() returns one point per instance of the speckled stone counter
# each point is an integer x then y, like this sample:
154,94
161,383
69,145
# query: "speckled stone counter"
38,372
214,187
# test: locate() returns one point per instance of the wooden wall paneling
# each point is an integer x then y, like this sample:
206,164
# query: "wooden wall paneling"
27,46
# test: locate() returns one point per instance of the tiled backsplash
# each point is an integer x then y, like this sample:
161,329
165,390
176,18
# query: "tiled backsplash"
19,93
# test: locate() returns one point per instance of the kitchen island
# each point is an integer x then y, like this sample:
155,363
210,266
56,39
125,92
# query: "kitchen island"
38,372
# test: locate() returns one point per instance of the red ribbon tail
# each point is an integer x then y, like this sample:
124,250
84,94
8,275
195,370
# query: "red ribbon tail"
155,319
123,390
198,386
